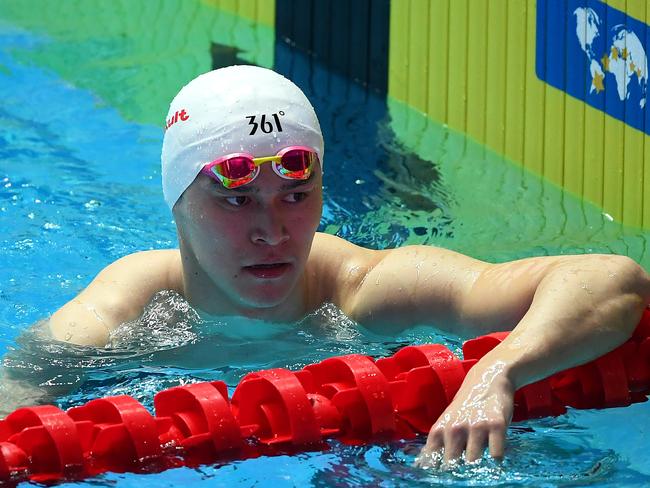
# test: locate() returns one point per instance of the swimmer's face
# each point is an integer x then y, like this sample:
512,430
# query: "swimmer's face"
252,242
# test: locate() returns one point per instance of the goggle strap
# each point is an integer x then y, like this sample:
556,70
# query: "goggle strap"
261,161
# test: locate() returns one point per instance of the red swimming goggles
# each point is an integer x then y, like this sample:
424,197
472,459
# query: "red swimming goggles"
237,169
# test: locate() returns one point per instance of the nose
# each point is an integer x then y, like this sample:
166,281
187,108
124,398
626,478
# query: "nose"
270,228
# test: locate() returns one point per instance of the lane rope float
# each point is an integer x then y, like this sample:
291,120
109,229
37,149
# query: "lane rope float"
352,398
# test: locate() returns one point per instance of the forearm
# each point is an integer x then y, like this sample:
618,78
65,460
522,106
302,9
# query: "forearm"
565,311
580,311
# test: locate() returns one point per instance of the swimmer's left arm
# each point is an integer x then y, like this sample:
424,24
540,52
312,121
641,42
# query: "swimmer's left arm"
564,311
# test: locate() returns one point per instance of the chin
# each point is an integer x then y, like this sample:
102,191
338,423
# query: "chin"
261,295
269,298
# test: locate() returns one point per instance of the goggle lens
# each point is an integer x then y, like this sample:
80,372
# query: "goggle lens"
240,169
296,164
235,168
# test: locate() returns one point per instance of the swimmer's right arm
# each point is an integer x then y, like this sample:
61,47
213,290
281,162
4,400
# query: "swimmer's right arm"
118,294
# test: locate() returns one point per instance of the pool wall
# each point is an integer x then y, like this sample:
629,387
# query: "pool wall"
478,129
512,76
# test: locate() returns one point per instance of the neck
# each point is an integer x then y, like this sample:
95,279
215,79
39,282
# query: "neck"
203,294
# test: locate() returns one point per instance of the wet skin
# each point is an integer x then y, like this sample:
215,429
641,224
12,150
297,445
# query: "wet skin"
255,252
244,250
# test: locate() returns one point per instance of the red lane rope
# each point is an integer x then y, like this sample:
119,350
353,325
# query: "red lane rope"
353,398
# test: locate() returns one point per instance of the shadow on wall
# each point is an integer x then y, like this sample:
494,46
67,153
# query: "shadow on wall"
337,52
223,55
349,38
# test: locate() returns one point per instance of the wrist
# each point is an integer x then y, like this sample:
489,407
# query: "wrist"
514,362
494,373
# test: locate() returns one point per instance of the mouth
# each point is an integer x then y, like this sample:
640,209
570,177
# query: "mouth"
268,270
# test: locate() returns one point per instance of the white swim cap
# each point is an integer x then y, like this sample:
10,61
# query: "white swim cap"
234,109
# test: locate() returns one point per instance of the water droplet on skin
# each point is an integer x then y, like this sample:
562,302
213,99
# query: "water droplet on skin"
417,268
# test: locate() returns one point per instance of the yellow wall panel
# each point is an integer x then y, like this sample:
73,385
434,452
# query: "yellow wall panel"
633,170
646,182
497,20
398,53
228,5
574,146
534,116
418,54
260,11
457,85
482,80
633,176
438,59
613,152
593,173
477,71
645,177
515,81
266,12
247,9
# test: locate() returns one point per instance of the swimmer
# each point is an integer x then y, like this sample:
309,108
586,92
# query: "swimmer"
242,165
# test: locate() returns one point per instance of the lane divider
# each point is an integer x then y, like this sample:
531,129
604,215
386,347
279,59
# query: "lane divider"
352,398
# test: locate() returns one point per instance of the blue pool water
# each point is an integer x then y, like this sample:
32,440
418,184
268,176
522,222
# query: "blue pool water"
80,187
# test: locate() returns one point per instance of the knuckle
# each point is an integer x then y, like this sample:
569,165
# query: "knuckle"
481,425
436,434
457,430
498,425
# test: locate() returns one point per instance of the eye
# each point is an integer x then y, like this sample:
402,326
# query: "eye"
237,201
296,197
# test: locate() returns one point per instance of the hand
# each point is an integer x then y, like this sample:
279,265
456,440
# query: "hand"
477,417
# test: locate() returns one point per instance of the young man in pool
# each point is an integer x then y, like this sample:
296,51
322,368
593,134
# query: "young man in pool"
242,166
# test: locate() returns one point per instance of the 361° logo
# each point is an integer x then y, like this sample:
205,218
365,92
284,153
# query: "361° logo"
265,123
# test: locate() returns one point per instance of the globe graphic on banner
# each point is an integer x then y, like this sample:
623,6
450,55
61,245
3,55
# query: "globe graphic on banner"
625,59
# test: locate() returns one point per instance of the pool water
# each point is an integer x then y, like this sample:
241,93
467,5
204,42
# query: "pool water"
80,187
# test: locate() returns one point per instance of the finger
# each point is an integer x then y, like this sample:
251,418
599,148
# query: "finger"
429,456
435,439
497,442
455,441
428,460
476,442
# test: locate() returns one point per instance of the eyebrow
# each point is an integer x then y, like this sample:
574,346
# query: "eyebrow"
245,189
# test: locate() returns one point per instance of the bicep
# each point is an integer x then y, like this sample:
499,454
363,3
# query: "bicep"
415,285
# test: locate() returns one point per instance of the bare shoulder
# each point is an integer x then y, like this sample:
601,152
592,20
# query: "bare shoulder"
336,267
117,294
383,287
159,269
